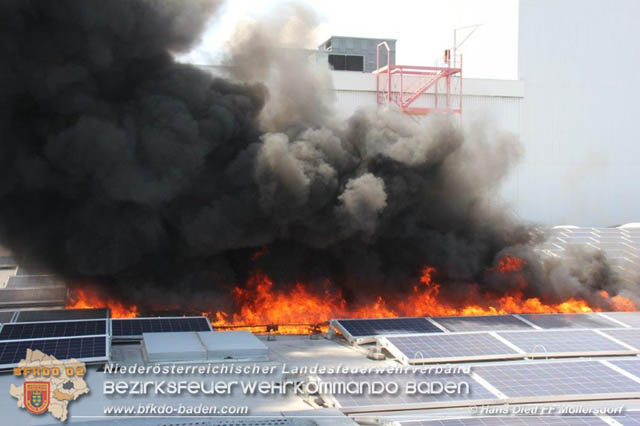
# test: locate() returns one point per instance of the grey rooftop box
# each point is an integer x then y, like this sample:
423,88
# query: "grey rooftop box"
237,345
173,346
191,346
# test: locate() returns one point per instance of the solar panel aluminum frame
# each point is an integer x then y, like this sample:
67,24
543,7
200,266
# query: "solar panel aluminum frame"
332,402
384,343
137,337
334,324
533,355
88,361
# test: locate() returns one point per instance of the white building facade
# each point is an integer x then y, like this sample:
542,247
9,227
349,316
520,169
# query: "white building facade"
580,126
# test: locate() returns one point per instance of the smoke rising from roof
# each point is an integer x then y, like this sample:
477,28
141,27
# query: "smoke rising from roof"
122,166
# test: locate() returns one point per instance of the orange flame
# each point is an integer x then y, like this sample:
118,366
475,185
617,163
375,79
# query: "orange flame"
261,304
303,309
84,298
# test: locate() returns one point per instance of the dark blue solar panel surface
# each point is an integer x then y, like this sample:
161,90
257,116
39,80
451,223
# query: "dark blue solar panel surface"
5,316
62,314
569,321
481,323
81,347
135,326
388,326
366,399
512,421
556,379
38,330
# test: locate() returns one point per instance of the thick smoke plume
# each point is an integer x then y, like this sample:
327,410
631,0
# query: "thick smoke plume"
123,167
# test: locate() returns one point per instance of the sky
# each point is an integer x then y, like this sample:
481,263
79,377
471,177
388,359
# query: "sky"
423,28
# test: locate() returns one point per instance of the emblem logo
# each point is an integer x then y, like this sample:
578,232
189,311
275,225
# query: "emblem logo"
36,396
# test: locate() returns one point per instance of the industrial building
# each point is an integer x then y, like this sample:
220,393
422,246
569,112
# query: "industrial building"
572,106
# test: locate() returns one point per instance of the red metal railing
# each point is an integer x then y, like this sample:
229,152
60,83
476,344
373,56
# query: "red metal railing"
416,89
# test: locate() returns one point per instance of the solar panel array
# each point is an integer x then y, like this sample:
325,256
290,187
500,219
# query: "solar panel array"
476,346
366,401
83,334
62,314
6,316
630,418
550,342
85,349
84,340
361,328
620,245
132,328
569,321
554,380
629,336
482,323
629,365
39,330
513,383
448,347
631,319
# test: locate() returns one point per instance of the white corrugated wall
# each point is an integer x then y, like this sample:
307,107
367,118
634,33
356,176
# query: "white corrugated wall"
580,122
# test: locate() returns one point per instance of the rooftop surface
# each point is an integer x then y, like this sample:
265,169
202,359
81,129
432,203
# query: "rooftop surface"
511,363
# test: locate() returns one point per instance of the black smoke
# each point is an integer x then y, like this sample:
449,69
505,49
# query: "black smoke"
123,167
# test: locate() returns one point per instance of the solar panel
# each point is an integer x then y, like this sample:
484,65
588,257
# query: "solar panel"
444,347
629,318
630,336
35,281
555,380
630,365
39,330
511,421
630,418
482,323
5,316
468,392
134,327
569,321
361,328
85,349
564,342
62,314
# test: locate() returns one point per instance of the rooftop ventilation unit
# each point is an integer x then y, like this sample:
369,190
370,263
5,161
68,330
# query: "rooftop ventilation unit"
203,346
